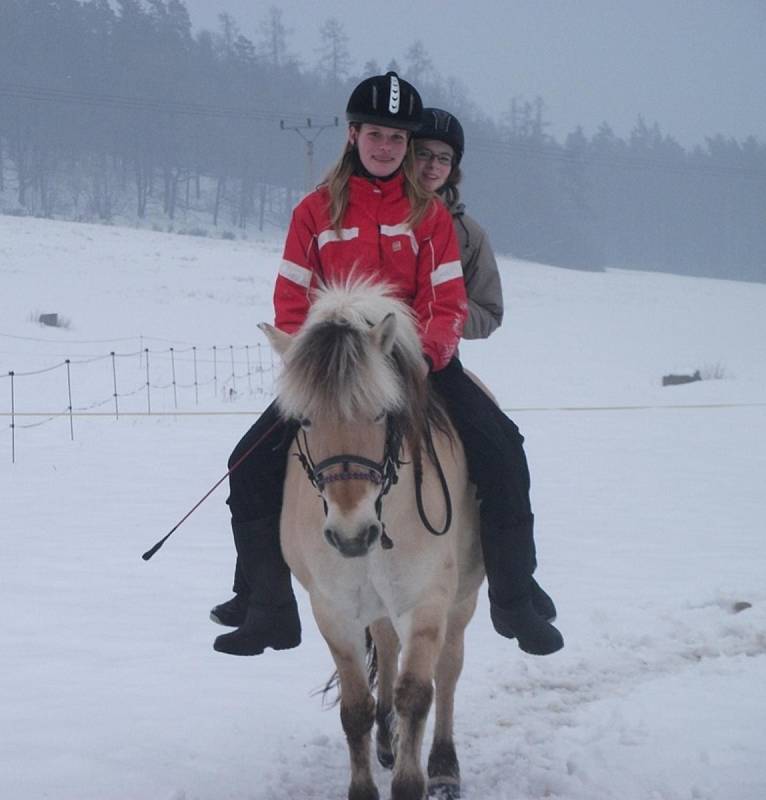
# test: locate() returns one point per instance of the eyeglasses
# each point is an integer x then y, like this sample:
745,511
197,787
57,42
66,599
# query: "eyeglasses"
424,154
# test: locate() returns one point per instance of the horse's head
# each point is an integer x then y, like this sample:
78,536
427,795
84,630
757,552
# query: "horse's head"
353,378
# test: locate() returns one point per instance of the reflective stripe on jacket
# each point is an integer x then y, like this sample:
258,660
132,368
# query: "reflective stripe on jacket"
422,265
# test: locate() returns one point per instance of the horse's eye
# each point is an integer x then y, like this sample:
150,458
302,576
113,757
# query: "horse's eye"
381,417
305,423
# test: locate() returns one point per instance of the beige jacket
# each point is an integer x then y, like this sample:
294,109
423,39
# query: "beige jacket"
482,279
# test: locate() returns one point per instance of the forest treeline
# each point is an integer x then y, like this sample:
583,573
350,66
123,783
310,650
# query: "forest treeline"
119,110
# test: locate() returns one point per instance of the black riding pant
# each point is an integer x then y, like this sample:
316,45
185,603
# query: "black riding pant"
497,465
256,485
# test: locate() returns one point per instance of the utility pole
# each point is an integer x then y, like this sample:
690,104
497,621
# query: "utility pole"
309,139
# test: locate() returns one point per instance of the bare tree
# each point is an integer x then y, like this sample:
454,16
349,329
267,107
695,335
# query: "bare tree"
273,42
419,64
229,32
334,57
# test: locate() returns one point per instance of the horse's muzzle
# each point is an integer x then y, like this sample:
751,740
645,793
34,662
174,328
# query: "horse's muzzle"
356,546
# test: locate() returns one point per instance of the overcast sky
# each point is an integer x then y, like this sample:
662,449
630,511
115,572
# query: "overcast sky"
697,67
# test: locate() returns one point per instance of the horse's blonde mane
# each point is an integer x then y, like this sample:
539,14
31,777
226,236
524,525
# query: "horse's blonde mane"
334,370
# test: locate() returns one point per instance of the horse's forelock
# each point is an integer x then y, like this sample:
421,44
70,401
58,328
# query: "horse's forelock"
334,368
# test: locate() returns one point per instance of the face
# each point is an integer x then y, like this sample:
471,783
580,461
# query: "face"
381,149
433,163
351,523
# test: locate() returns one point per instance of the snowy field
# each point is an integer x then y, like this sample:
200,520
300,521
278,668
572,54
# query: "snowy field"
650,527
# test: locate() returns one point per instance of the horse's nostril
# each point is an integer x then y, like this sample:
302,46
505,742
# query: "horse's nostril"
372,533
329,534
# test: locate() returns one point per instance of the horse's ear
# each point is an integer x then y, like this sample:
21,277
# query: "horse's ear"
384,332
279,340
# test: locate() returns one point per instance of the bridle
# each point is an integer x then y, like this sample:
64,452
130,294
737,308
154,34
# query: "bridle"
383,473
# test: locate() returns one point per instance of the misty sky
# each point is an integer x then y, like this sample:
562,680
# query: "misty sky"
697,67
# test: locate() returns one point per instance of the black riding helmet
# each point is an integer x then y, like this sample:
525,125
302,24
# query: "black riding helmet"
443,127
386,100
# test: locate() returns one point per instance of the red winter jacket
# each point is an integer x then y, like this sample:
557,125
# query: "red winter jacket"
423,265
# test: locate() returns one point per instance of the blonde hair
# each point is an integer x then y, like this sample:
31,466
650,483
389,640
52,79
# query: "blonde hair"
336,183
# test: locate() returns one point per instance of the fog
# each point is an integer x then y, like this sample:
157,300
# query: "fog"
696,67
597,135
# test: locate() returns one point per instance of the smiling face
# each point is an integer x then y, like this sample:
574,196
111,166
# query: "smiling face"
381,149
433,163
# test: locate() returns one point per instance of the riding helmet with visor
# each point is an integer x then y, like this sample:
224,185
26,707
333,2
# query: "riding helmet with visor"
386,100
444,127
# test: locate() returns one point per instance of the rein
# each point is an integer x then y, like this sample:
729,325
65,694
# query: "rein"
384,473
418,467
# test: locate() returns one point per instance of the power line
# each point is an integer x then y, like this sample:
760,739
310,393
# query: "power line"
627,160
479,144
136,103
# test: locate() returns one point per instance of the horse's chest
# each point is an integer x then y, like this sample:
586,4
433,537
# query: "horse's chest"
352,590
401,582
366,589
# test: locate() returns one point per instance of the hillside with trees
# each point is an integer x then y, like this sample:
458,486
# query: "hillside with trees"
121,112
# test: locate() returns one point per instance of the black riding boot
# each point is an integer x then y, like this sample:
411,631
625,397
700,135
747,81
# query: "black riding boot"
497,465
542,602
272,614
233,612
519,608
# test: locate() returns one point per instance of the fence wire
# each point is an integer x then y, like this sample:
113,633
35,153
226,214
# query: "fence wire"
171,378
154,376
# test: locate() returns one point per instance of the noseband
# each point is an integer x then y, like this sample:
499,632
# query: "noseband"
383,473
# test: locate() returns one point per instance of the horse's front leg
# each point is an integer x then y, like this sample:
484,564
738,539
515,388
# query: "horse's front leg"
357,705
422,633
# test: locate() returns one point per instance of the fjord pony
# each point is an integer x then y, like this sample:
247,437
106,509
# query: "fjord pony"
352,534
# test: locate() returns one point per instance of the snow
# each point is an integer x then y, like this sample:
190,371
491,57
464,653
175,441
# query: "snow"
649,505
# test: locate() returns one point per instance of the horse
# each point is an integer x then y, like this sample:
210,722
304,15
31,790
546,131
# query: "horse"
380,526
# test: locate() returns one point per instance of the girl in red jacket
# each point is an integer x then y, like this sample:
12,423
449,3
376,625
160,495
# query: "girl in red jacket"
371,216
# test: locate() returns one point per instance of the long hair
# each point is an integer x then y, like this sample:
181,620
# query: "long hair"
336,183
450,192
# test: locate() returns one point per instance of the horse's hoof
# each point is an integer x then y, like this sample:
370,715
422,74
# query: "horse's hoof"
385,758
365,791
444,789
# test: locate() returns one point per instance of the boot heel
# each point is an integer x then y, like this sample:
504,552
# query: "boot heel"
285,640
285,628
520,621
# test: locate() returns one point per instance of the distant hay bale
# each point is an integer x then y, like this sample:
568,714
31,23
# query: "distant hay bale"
675,380
49,319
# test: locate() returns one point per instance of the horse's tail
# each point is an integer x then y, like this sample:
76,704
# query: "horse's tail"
372,660
372,673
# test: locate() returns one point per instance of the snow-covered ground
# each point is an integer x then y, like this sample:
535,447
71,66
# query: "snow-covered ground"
650,526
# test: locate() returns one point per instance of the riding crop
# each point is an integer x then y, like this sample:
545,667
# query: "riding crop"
149,553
